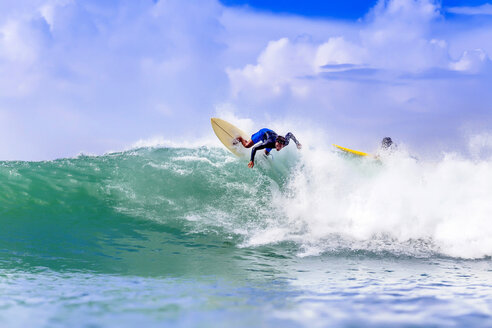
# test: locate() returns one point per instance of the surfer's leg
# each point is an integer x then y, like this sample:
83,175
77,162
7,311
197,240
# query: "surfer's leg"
255,138
245,143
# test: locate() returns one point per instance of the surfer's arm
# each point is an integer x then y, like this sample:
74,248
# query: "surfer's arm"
289,136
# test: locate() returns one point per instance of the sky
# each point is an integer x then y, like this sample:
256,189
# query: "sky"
95,76
335,9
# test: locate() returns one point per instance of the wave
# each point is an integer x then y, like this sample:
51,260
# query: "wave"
398,204
323,203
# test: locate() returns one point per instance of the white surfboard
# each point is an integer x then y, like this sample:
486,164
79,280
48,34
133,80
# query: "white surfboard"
227,134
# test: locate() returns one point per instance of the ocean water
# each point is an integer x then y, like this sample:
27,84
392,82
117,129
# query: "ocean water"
190,237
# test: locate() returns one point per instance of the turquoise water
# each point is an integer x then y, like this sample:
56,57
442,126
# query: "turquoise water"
191,237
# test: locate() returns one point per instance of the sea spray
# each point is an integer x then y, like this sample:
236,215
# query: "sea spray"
396,203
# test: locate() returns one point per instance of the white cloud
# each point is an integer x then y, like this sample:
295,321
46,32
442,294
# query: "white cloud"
120,67
48,10
395,36
485,9
284,67
277,68
472,61
338,51
15,47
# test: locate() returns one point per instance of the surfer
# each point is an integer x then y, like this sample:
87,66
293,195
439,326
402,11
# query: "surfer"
269,140
388,147
388,144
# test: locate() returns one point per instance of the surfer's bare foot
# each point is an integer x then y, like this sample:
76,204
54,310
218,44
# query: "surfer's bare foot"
237,140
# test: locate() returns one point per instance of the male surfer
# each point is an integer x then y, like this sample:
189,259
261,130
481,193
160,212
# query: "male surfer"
388,144
388,147
269,140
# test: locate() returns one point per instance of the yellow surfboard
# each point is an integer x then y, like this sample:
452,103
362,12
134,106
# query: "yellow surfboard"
227,134
355,152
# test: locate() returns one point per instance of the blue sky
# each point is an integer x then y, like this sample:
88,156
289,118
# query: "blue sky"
334,9
340,9
94,76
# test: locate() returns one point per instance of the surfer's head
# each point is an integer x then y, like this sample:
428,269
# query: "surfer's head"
386,143
280,143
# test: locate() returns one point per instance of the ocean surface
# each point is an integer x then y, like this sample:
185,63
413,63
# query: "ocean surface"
190,237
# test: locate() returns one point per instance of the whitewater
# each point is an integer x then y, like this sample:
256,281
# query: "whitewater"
189,236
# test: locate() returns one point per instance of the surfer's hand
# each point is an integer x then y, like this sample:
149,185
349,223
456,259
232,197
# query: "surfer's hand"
251,164
299,146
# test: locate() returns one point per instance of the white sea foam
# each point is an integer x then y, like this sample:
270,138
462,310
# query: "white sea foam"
203,160
159,141
399,204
